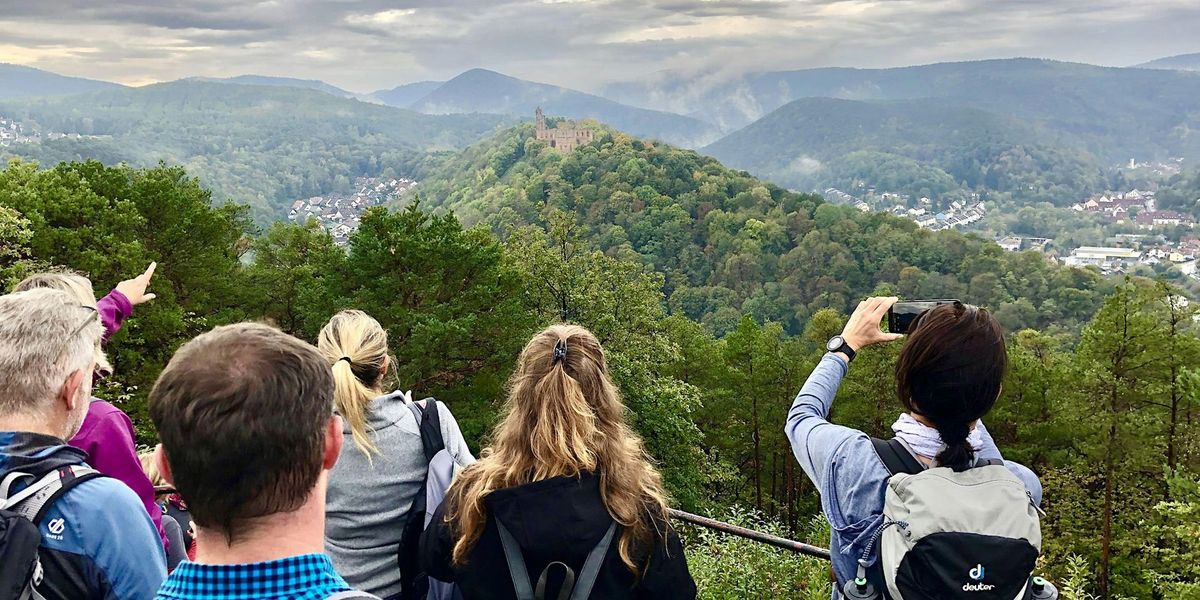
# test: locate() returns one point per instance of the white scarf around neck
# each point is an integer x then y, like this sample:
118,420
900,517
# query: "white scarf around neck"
925,440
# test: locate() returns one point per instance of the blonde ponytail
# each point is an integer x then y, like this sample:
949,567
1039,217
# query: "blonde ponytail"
356,347
567,426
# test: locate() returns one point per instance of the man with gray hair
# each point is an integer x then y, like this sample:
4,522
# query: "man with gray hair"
97,541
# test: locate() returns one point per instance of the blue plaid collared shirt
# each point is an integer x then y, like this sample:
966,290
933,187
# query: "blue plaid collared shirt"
304,577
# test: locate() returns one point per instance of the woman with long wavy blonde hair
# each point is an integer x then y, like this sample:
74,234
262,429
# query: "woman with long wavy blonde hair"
564,469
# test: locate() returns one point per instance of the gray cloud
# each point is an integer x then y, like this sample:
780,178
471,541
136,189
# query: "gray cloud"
371,44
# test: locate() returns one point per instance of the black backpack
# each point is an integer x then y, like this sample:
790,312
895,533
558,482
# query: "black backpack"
414,583
21,514
572,588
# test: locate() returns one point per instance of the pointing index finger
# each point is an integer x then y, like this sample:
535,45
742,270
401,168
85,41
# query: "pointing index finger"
150,270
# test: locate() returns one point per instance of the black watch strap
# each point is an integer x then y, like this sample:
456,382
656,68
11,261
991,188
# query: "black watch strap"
845,349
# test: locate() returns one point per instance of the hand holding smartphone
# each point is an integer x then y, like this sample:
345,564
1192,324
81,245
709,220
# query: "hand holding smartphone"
903,315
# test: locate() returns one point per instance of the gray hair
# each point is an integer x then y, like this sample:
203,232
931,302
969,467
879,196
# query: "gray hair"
79,287
45,335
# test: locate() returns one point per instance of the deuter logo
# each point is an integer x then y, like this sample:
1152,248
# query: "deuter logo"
55,528
977,575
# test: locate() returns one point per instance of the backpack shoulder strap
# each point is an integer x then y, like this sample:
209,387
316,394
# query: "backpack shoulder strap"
429,423
33,502
896,457
516,563
357,595
591,566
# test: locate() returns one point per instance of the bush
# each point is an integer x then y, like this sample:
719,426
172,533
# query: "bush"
730,567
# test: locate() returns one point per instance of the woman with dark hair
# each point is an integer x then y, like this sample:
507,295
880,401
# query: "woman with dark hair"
948,376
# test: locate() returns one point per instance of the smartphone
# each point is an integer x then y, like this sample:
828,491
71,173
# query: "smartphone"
902,315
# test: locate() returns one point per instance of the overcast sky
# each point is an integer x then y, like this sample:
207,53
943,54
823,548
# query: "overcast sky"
365,45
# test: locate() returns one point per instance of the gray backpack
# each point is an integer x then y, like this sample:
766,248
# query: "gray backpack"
415,584
970,534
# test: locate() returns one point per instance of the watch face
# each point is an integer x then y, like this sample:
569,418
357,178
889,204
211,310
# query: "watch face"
835,342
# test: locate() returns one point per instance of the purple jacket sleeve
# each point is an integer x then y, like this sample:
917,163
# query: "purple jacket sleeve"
114,309
108,439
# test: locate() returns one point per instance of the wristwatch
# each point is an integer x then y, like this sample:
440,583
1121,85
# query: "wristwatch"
838,343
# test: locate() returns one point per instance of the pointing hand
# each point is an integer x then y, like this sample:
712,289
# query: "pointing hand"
135,289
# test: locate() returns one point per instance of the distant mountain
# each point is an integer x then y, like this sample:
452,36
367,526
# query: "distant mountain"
308,84
925,147
17,81
1181,62
262,146
483,91
1118,112
404,96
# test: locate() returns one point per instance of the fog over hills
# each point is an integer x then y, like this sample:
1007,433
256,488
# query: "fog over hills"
484,91
403,96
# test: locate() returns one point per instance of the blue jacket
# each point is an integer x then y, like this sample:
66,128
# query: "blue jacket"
98,542
849,474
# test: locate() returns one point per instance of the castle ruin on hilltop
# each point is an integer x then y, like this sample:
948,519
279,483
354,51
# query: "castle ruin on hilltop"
565,137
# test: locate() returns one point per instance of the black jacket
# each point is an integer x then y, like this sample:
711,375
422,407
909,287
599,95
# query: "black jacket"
559,519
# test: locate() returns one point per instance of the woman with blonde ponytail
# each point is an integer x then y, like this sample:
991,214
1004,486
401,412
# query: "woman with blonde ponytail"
564,469
372,487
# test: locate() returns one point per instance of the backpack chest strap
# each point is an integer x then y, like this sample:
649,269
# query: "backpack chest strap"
33,502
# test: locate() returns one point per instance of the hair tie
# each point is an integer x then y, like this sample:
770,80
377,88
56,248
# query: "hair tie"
346,358
560,351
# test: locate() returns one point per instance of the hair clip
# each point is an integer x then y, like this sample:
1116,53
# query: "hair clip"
560,351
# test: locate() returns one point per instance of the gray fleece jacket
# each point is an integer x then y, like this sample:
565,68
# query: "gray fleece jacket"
368,500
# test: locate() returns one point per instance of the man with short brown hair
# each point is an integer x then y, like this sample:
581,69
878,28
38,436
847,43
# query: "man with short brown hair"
245,415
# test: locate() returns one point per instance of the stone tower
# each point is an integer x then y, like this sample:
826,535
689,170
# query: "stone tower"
541,119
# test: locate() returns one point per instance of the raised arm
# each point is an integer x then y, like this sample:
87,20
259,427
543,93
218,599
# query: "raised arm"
814,439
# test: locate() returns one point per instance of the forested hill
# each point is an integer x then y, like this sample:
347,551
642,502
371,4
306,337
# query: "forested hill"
257,145
928,147
728,244
18,80
292,82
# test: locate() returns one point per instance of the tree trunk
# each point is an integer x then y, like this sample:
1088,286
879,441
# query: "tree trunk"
1173,425
1106,541
757,453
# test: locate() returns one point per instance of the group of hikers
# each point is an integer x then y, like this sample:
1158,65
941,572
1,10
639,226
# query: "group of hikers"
291,470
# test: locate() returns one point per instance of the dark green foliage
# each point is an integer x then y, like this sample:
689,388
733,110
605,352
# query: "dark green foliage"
933,148
261,146
1182,193
109,223
728,244
713,295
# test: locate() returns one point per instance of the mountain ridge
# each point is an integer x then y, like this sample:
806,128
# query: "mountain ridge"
486,91
272,81
1181,62
20,81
